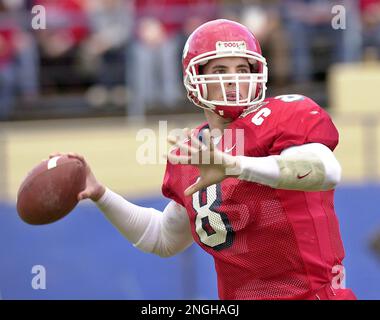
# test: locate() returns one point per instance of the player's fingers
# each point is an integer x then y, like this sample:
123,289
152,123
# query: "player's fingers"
187,148
194,132
194,188
184,147
76,155
55,154
83,195
172,140
187,132
72,154
212,143
196,143
207,139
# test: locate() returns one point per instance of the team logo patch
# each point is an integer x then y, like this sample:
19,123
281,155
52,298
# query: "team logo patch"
230,45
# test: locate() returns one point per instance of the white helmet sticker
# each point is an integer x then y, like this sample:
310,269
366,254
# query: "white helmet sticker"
222,46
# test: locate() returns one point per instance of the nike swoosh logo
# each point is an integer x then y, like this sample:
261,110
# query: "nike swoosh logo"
230,149
305,175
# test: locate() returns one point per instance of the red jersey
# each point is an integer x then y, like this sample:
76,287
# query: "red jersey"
365,5
7,52
266,243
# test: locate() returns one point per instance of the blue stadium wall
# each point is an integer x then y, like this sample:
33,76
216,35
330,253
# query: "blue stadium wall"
86,258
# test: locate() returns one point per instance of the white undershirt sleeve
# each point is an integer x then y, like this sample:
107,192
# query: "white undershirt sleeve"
163,233
314,156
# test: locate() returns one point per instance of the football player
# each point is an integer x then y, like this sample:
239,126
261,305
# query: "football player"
263,209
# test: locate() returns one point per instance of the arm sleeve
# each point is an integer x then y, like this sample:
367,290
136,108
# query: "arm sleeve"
171,184
163,233
268,171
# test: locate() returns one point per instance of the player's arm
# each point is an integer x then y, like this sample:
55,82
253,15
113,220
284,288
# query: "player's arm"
308,167
163,233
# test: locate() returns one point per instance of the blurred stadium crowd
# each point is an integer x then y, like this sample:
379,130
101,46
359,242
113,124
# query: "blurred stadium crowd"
113,57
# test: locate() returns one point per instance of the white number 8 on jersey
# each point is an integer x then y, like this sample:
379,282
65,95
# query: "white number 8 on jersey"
213,227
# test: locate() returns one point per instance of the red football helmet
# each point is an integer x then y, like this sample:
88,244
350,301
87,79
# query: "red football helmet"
219,39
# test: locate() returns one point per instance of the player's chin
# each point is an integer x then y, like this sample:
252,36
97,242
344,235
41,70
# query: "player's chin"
233,99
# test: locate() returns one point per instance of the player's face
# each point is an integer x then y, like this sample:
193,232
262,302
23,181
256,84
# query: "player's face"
224,66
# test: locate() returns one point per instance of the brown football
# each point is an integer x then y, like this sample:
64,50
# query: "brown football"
49,192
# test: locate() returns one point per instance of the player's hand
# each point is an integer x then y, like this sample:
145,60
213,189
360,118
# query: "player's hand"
93,190
214,165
